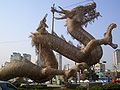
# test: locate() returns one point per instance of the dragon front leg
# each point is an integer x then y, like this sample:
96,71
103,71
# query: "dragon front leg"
107,40
108,36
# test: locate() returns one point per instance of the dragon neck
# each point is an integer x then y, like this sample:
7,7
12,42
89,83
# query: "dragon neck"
77,32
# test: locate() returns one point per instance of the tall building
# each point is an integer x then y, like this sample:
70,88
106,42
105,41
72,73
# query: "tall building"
18,56
15,56
39,61
116,58
26,57
59,58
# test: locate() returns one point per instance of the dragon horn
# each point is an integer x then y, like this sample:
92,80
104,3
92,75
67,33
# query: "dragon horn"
33,33
63,10
44,19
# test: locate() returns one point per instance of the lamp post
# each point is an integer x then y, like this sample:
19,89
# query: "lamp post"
115,70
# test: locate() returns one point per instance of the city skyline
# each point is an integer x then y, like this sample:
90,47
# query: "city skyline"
19,18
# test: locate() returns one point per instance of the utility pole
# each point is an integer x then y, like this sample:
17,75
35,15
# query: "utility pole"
53,19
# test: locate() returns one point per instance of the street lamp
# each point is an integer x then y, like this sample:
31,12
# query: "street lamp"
115,70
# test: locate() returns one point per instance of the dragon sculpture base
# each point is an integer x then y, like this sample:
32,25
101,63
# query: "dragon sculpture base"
45,43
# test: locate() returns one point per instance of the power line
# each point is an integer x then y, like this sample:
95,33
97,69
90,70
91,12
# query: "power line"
78,3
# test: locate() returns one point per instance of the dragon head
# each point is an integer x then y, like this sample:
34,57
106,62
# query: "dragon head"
81,14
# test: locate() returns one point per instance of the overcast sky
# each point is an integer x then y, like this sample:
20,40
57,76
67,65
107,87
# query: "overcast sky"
20,17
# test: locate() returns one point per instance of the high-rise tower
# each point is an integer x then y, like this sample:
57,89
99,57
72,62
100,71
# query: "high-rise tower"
116,58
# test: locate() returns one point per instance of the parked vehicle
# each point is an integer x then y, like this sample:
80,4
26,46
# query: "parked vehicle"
116,80
5,85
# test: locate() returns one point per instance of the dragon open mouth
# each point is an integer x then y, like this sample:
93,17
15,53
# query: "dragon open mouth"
81,14
90,14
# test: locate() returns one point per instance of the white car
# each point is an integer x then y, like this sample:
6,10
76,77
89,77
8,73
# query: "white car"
4,85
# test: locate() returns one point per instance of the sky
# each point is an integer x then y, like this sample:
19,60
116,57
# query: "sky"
20,17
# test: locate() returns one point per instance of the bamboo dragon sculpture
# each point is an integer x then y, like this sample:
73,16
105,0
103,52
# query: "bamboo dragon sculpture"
45,43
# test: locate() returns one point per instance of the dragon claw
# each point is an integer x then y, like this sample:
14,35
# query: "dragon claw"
114,45
108,36
111,26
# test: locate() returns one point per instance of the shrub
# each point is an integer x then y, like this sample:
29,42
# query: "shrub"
96,88
111,86
81,88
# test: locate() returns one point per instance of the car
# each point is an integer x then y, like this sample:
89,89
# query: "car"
5,85
116,80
